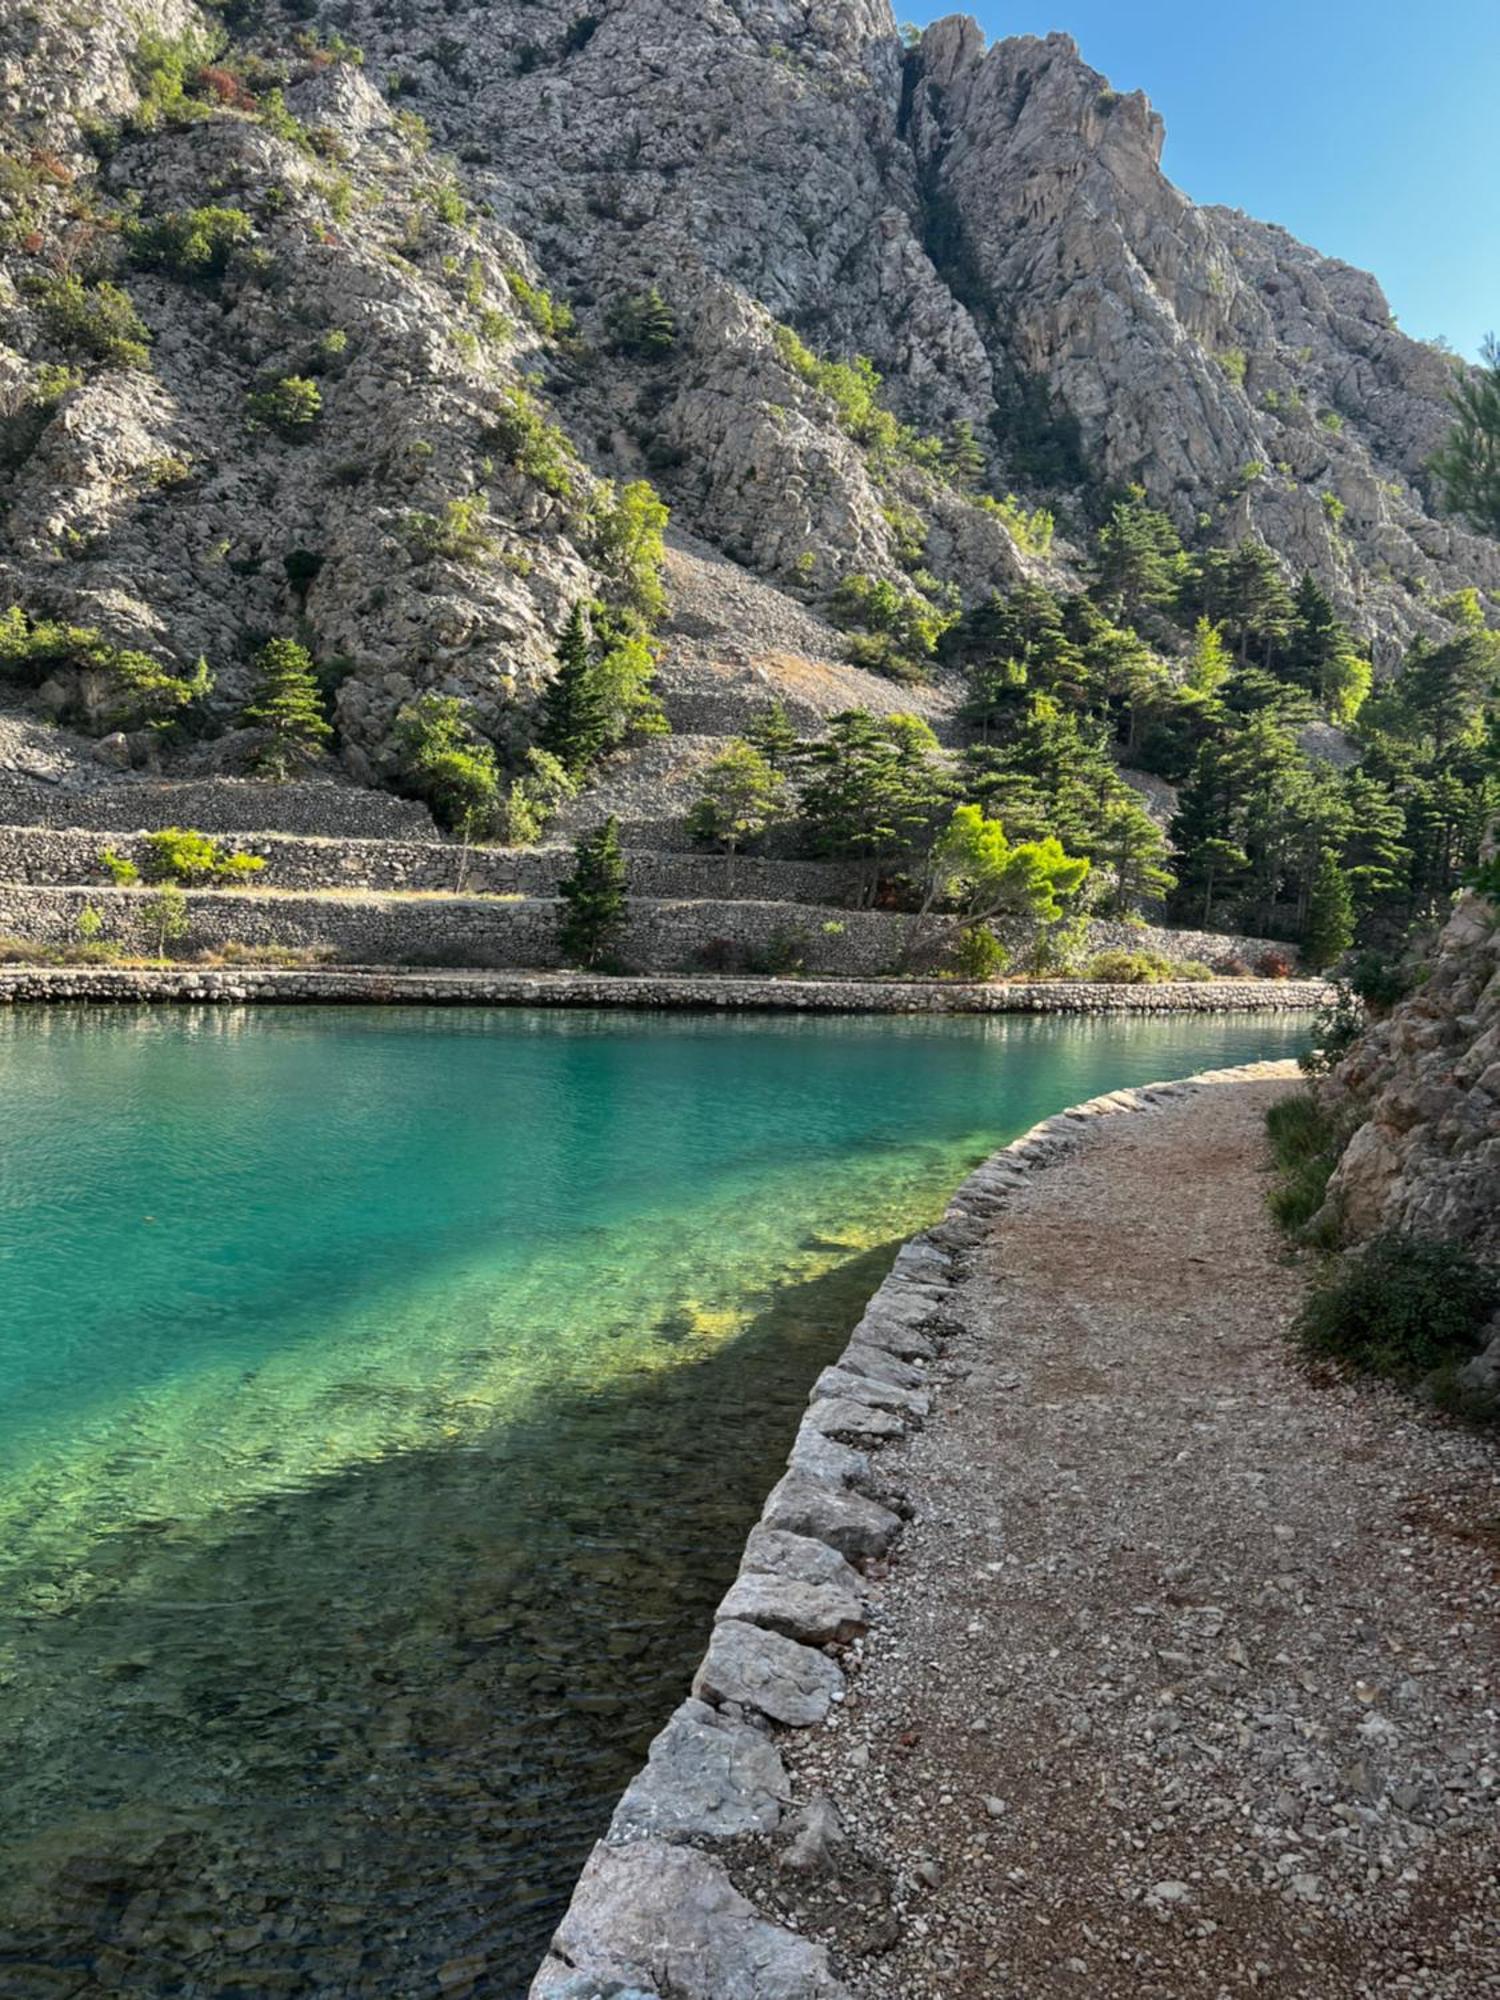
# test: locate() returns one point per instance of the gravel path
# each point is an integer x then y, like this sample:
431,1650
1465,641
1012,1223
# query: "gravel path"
1184,1679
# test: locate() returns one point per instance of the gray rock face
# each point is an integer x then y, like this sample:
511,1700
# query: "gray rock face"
667,1923
1422,1090
811,1612
707,1777
764,1671
847,1521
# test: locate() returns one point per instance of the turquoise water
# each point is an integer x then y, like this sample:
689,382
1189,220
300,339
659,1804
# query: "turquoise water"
383,1398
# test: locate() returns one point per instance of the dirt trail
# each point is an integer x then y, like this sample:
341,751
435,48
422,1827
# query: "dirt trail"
1185,1680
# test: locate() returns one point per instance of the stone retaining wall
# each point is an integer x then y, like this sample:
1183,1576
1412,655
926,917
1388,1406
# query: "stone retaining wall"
395,986
683,935
657,1891
59,855
216,805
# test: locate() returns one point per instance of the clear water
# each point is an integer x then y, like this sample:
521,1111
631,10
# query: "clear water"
384,1396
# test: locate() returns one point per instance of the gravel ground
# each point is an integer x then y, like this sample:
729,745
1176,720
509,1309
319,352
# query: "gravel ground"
1184,1680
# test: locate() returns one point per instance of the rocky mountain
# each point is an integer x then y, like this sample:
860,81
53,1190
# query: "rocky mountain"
317,318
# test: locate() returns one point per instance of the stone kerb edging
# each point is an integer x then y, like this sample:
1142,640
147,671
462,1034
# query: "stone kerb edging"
401,985
655,1913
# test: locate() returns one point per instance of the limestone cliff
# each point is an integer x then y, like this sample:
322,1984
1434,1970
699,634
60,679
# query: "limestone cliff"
444,204
1422,1092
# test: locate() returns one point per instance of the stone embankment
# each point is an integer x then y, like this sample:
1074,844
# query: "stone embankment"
398,986
1086,1645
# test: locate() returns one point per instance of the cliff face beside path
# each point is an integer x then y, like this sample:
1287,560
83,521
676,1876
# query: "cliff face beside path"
442,211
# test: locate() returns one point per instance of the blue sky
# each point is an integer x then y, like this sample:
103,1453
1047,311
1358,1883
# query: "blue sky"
1368,131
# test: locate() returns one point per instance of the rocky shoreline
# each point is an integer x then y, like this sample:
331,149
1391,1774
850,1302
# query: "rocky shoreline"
656,1909
368,986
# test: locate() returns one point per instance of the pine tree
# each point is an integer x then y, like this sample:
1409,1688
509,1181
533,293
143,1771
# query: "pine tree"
1140,560
1258,606
1376,858
770,732
574,726
287,704
1208,662
1468,461
643,324
1328,930
593,897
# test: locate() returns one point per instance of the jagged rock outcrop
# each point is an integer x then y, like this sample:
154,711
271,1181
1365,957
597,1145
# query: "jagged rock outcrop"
1421,1090
990,225
1424,1085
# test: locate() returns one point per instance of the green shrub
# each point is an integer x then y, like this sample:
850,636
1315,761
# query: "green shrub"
534,446
1234,364
120,869
179,854
1130,968
97,320
551,318
163,67
1305,1145
194,243
111,686
1031,531
291,405
449,764
980,955
1400,1307
458,534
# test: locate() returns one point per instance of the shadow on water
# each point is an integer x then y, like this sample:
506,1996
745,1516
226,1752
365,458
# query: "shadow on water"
367,1733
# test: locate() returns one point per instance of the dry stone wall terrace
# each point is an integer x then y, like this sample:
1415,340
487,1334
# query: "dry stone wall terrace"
217,805
44,855
680,934
369,929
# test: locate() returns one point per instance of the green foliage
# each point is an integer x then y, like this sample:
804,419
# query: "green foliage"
1400,1307
1143,968
903,625
287,703
770,732
600,694
535,447
873,789
1328,928
551,318
112,687
980,956
629,545
642,324
446,761
535,796
853,390
974,866
459,534
280,123
166,916
291,405
1468,462
1030,529
179,854
741,796
1209,661
1305,1146
1139,559
96,320
194,244
1234,363
162,67
593,898
120,869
